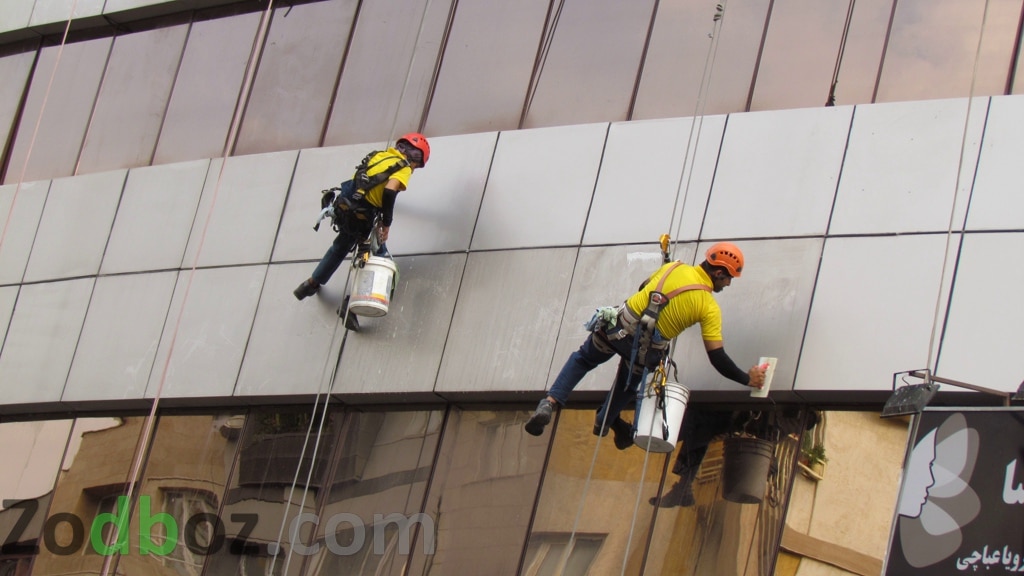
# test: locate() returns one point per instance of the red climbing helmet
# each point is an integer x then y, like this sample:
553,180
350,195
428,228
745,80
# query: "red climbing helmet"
728,256
419,142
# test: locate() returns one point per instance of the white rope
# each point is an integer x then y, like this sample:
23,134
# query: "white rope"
956,191
697,124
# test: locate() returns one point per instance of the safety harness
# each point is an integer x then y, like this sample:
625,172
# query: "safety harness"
347,202
643,328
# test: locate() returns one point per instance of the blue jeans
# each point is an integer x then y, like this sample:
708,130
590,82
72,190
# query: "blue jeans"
344,243
589,357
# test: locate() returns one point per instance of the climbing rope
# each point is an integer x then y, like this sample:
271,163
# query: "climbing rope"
956,192
677,207
696,126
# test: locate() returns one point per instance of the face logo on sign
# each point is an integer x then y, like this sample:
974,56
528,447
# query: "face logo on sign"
936,500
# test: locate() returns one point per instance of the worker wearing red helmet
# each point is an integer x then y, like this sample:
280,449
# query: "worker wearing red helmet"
411,151
683,297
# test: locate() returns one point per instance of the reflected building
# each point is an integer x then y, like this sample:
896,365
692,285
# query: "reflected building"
168,407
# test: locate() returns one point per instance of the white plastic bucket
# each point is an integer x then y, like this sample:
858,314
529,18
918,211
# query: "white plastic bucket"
371,290
649,428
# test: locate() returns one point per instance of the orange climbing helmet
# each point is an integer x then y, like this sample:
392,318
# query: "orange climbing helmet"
419,142
728,256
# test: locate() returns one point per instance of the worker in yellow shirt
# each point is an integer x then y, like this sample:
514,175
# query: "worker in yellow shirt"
674,298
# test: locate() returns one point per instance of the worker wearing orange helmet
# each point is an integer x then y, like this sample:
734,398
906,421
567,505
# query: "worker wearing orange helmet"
674,298
357,209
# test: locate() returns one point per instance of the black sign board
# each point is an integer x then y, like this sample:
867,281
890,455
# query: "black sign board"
961,504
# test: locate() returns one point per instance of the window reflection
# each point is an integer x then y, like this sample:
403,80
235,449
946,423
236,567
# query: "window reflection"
31,454
371,518
799,56
185,476
603,498
934,44
281,467
93,476
583,79
679,50
482,496
698,530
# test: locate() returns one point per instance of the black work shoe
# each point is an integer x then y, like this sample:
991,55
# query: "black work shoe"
541,417
623,433
351,320
681,494
306,289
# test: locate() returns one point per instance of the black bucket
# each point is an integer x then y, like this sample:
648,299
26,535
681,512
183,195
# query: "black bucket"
745,469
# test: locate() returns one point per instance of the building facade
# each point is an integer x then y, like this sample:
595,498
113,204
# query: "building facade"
162,163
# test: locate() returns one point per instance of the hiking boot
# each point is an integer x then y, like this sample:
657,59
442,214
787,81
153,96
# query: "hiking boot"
351,320
623,432
680,494
306,289
541,417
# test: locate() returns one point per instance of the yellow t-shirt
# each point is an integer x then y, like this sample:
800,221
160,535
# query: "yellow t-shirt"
685,309
375,195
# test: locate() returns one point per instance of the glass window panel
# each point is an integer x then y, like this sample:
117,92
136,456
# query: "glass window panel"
279,473
298,71
31,453
579,85
187,469
93,481
206,89
372,515
1018,75
488,61
128,114
370,102
69,103
14,69
698,530
859,478
862,56
933,47
680,43
799,56
483,492
603,495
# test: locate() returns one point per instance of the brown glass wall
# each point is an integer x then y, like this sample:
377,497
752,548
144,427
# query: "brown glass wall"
341,71
456,490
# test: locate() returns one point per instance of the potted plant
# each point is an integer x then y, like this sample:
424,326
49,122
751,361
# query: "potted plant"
812,460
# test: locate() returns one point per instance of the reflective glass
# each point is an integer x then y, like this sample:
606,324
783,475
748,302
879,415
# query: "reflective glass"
799,56
681,45
128,114
723,506
279,472
848,467
488,60
31,453
594,515
91,498
206,89
933,49
482,494
14,69
372,515
592,63
375,100
298,73
862,56
67,80
177,517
